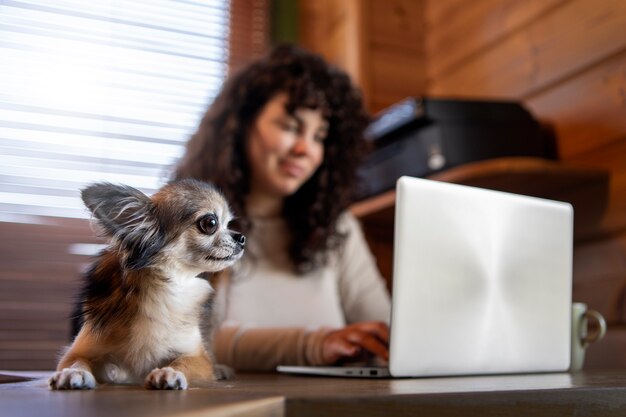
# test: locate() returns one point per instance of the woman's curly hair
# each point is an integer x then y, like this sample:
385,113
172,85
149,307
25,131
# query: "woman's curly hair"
217,151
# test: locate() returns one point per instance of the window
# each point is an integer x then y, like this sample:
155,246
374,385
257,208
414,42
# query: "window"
100,91
94,90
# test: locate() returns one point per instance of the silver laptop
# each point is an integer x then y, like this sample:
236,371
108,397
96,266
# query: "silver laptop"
481,284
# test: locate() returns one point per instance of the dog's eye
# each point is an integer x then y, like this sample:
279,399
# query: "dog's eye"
208,224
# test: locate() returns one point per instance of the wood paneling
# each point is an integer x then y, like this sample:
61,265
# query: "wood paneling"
380,43
38,286
469,28
608,353
437,13
327,27
551,48
587,111
394,42
249,32
613,158
394,75
600,276
396,23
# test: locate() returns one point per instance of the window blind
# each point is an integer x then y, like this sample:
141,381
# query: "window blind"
106,90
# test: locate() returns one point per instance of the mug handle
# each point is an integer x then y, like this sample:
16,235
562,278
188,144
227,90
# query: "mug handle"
599,334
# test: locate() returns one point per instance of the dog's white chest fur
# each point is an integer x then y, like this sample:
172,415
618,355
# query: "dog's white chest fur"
167,326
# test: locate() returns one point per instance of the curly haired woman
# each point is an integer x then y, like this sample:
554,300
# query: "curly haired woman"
283,140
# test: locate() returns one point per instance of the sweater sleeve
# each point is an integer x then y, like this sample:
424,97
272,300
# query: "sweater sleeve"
262,349
362,289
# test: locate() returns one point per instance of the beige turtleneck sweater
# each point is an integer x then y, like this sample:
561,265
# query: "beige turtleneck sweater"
274,317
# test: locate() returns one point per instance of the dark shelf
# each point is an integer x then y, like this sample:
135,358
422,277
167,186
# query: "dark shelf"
585,188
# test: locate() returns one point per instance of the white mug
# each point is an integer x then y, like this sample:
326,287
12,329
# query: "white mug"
581,338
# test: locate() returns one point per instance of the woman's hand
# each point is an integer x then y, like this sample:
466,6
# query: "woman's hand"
370,338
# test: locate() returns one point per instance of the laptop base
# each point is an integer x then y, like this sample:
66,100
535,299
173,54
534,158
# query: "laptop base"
340,371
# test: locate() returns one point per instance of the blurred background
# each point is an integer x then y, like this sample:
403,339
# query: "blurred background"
111,90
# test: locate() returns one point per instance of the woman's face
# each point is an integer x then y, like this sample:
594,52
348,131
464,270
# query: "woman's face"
284,150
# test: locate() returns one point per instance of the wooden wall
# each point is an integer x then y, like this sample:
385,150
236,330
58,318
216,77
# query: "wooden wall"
379,42
39,284
565,59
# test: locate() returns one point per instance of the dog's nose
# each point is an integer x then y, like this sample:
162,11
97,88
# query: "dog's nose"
240,239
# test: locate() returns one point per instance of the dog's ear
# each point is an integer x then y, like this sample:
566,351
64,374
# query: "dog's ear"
126,215
118,208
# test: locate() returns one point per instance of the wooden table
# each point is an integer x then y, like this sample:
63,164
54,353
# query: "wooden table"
583,394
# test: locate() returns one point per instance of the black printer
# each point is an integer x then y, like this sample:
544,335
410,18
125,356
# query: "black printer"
420,136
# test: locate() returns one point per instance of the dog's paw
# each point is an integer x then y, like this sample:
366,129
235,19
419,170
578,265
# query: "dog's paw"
223,372
70,378
166,378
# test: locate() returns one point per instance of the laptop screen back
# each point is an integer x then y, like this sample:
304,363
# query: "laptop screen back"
482,281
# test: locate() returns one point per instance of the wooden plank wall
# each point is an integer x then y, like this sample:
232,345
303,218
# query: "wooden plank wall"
379,42
566,60
39,281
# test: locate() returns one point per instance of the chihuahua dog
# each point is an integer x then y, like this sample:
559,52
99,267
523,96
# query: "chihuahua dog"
143,303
